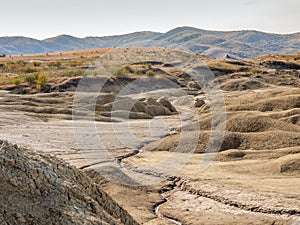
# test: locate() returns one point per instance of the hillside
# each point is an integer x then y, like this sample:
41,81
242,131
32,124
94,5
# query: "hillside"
238,44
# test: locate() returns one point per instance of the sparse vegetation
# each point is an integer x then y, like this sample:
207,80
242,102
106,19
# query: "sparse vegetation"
30,69
57,68
41,83
225,65
75,63
28,72
16,81
123,72
74,73
56,64
150,73
149,66
31,79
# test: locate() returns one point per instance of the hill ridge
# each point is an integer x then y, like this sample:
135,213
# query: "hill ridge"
216,44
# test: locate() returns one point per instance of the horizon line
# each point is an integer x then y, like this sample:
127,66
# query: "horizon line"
145,31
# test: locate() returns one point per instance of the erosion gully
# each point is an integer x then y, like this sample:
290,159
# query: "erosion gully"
162,192
181,184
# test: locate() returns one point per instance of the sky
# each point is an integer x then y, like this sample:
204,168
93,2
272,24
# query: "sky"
81,18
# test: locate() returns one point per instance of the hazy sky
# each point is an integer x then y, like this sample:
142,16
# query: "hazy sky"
47,18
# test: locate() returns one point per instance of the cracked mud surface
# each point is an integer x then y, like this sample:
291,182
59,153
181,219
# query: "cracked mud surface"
255,183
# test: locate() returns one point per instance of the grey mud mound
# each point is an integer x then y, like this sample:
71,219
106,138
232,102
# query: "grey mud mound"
40,189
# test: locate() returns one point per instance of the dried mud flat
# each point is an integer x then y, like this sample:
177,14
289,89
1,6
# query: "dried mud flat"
255,183
254,179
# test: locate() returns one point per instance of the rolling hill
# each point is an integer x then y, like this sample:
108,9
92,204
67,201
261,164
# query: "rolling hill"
239,44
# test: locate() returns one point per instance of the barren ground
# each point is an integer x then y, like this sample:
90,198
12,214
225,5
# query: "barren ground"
254,179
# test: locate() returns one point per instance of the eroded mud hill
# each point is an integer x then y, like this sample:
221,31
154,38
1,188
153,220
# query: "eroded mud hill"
40,189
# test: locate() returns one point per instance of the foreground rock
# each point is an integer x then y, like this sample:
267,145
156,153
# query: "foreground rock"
41,189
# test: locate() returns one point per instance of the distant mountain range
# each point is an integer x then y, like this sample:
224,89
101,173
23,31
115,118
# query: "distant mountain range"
240,44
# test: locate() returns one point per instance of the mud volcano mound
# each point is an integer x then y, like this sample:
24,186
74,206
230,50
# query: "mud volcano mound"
241,84
40,189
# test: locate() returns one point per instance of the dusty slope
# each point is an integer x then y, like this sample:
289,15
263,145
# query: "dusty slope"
40,189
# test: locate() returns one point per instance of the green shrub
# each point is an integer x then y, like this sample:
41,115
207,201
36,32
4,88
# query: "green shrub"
16,81
11,66
149,66
150,73
41,83
31,79
123,72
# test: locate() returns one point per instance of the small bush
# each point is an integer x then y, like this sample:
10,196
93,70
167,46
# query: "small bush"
31,79
149,66
41,83
16,81
11,66
150,73
123,72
